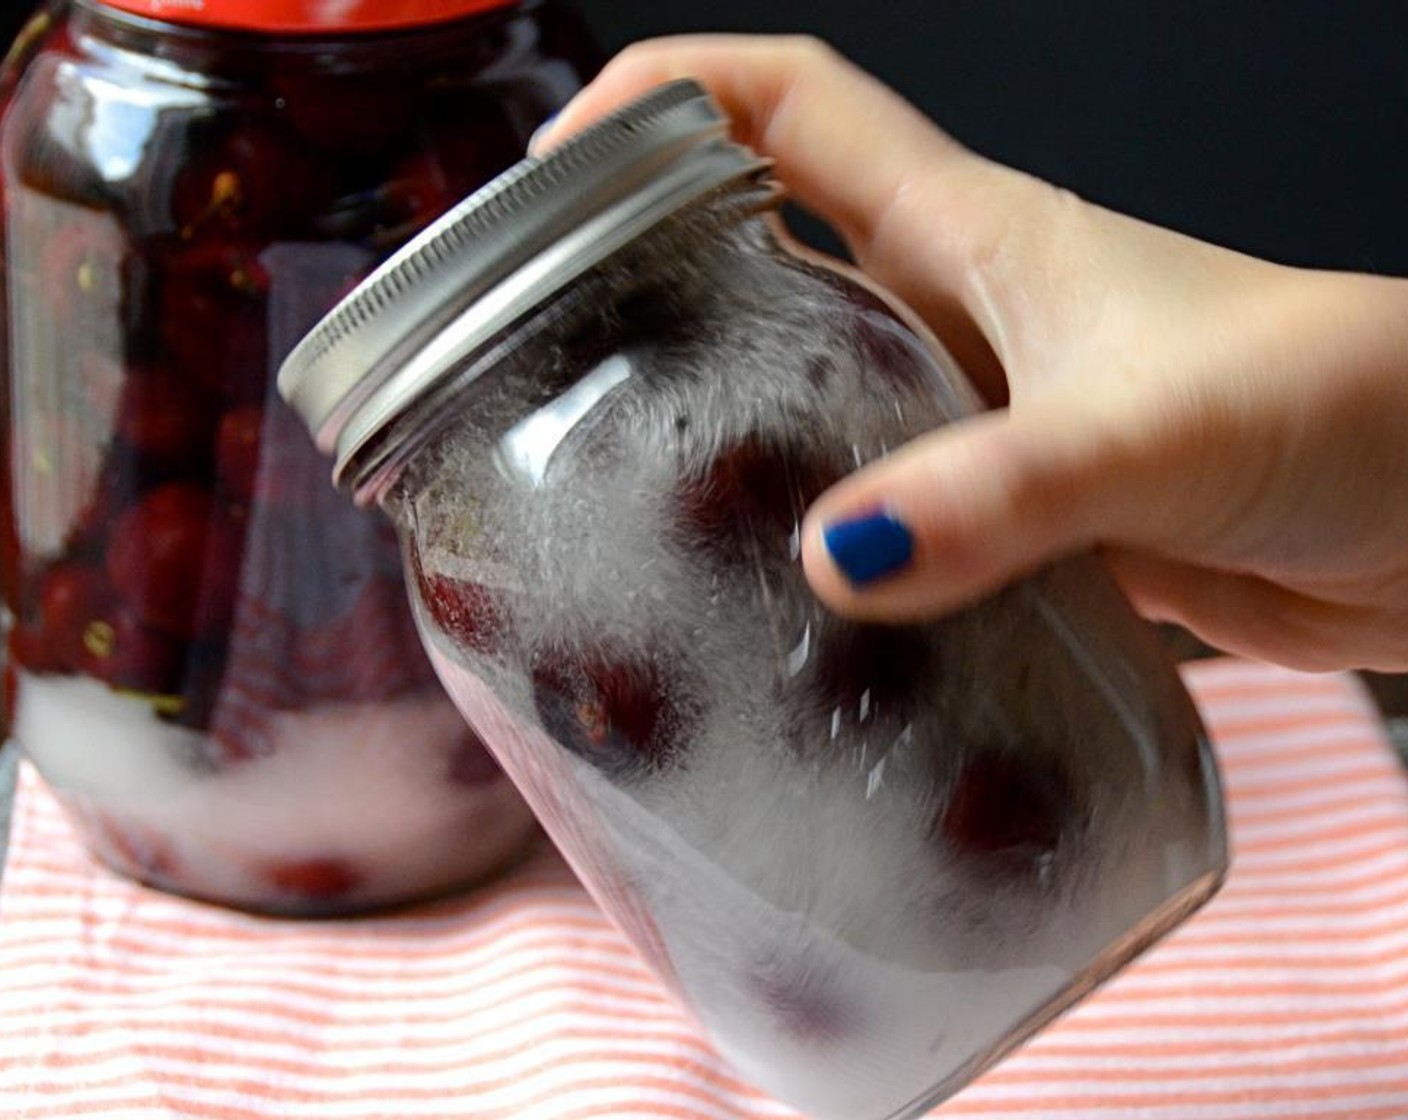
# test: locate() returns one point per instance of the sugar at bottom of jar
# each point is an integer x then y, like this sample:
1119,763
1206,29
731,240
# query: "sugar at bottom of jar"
356,804
837,1031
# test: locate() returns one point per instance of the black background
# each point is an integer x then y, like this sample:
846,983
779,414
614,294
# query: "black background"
1275,128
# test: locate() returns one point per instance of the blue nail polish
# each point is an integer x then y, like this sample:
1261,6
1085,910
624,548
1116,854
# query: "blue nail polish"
869,548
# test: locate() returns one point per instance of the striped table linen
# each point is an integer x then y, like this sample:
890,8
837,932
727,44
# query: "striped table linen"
1286,997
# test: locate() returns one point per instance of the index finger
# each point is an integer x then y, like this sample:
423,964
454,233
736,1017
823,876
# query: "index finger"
796,101
916,208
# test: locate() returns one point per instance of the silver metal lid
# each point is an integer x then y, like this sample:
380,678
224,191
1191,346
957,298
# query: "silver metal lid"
498,254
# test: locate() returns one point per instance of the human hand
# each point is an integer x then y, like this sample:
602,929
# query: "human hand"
1231,435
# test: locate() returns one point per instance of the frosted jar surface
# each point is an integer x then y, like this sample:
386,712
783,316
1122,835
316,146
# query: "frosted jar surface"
869,859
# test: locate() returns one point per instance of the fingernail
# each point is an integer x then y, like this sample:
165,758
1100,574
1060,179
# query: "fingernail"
870,547
539,133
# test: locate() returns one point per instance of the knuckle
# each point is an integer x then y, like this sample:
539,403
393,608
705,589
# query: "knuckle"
1014,230
811,52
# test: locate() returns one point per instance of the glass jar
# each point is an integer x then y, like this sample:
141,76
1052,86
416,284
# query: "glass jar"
211,659
596,399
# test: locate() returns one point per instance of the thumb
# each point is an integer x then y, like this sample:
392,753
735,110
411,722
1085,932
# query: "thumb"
971,507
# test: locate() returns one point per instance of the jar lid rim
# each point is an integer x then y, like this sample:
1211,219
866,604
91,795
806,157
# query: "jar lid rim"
498,254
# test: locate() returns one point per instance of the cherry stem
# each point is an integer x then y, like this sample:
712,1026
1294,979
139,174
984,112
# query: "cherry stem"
225,195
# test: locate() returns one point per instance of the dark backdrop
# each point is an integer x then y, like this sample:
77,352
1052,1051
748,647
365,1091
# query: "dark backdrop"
1276,128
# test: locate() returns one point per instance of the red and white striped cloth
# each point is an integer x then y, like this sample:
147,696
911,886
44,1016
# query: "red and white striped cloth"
1286,997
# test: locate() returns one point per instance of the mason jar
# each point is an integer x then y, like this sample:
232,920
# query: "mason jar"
596,399
210,658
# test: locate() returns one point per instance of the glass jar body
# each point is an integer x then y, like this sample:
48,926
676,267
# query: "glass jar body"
210,656
869,859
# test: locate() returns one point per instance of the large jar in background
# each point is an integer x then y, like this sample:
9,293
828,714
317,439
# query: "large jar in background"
211,659
597,399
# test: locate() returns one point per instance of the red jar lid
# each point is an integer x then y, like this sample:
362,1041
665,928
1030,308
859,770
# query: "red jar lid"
305,16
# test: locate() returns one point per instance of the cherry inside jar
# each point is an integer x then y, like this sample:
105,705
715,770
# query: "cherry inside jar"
597,400
211,659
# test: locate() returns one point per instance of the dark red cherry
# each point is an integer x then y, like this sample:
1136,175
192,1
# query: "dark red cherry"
74,599
126,654
214,322
617,713
466,612
155,551
1008,809
476,134
466,137
350,114
319,878
221,571
254,181
164,417
801,1000
866,671
882,344
119,482
30,648
237,441
225,269
753,495
417,192
174,557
